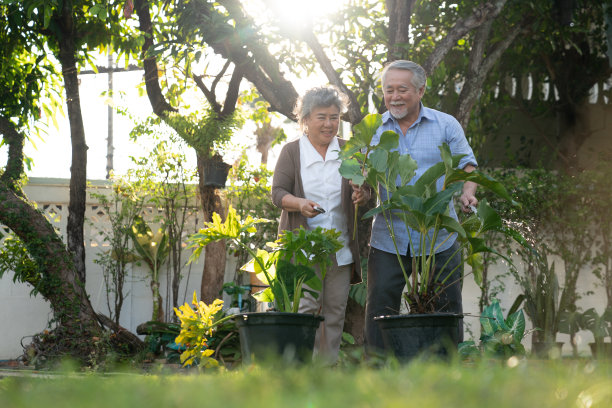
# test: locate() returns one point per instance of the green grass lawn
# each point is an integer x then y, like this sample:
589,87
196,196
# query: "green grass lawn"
562,383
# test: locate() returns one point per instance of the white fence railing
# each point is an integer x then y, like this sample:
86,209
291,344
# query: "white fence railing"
22,315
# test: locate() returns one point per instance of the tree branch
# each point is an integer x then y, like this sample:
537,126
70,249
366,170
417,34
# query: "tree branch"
215,81
233,90
399,12
158,102
14,162
210,95
481,14
480,67
354,110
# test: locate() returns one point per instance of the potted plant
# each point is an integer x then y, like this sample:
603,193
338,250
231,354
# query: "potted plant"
288,270
424,209
601,327
499,336
540,297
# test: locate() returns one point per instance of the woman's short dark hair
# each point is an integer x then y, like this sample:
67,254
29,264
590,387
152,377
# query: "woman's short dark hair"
319,97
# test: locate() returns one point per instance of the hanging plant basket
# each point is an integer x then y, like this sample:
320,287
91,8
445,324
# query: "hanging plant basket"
289,336
215,173
410,335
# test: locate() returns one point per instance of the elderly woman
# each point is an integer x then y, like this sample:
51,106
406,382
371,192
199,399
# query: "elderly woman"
311,193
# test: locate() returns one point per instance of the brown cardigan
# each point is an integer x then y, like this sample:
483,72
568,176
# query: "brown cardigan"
288,180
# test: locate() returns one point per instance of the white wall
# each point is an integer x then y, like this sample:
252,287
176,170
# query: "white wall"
22,315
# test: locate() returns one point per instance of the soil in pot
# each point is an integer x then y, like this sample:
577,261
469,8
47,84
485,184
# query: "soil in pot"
274,335
408,336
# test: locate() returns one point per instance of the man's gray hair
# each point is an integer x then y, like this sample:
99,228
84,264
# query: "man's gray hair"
319,97
419,77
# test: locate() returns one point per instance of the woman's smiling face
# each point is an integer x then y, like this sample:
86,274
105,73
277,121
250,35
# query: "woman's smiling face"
322,124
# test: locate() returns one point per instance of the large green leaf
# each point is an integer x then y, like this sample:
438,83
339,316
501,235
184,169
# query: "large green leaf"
451,225
389,140
438,203
490,219
350,169
407,168
483,180
378,160
365,130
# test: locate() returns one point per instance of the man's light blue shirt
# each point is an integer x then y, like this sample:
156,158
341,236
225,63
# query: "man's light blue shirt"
431,129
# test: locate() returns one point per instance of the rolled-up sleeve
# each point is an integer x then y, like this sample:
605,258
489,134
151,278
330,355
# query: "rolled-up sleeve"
459,145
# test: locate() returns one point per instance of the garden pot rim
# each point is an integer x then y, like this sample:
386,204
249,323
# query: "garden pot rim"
419,315
245,315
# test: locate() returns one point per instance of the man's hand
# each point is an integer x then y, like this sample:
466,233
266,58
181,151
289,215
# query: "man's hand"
468,195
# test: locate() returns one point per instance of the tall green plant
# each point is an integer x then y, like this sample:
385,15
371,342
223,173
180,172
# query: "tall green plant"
122,207
169,184
249,194
419,205
287,268
153,249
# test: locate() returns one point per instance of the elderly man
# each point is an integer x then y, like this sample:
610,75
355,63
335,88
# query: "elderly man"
421,131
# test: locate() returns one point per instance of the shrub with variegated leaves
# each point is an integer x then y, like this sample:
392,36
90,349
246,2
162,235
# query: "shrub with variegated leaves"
197,326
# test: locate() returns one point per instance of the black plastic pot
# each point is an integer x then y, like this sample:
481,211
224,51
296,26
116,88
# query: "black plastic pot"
409,336
601,351
546,350
289,336
215,173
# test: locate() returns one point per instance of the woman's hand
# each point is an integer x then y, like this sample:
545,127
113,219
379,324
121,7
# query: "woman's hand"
303,205
361,194
307,208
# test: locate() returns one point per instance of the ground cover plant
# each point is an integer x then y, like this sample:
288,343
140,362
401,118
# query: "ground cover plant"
515,383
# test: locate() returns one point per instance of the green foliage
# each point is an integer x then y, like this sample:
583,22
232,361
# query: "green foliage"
27,77
153,248
419,205
556,216
122,206
170,188
287,268
249,193
206,133
599,325
14,257
499,337
197,326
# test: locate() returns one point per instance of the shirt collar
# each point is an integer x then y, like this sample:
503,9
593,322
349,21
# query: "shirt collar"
312,156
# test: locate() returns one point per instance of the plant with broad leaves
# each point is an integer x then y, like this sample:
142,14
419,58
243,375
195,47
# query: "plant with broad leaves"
197,327
499,336
287,268
420,205
599,325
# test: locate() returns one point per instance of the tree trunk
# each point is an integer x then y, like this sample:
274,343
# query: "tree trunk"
78,168
399,12
214,253
56,279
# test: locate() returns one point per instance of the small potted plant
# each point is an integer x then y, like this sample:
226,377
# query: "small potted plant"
289,270
424,209
601,327
499,336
